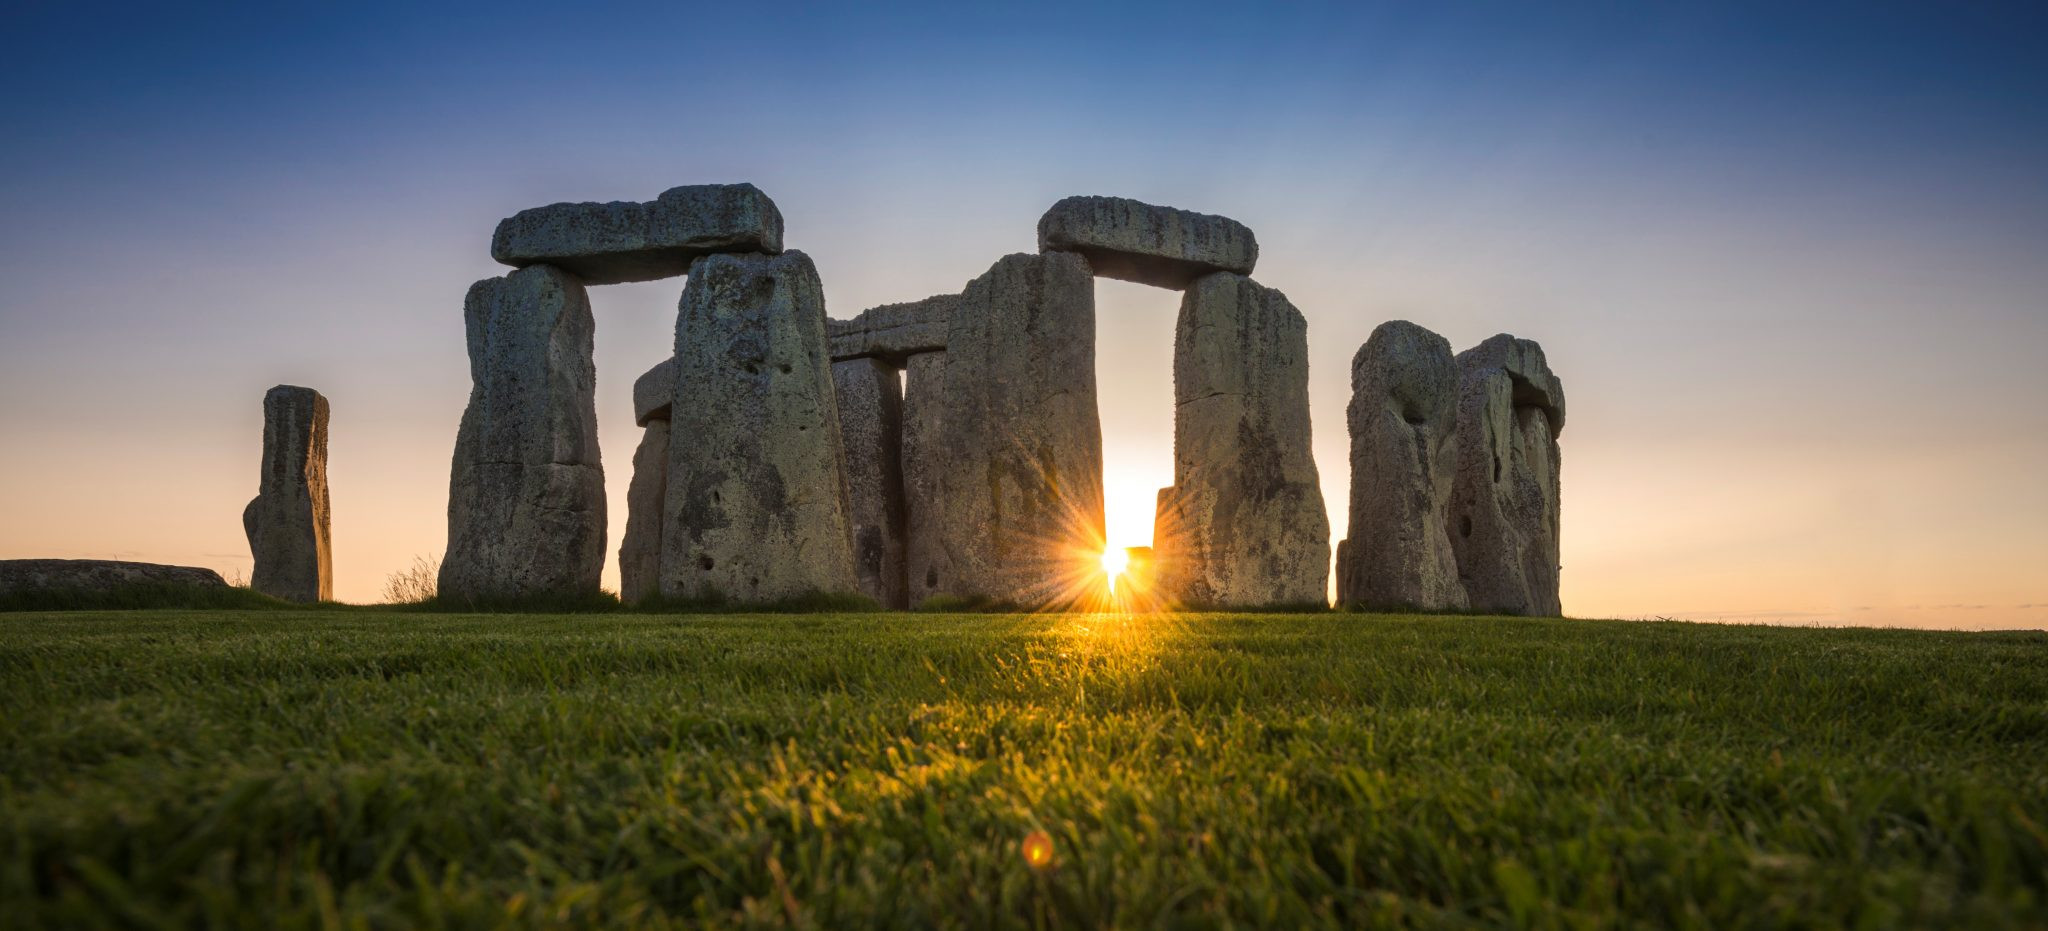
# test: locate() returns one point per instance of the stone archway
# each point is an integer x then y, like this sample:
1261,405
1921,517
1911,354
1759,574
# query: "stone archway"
999,462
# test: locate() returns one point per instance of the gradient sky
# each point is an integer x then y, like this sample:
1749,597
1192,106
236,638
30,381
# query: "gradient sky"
1791,264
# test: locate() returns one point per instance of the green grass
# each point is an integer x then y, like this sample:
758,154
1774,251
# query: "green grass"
364,768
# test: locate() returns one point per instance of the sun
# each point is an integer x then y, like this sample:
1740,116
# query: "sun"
1114,561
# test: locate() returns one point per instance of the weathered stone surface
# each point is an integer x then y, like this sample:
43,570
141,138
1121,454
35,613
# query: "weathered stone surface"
1006,473
288,522
870,397
631,241
925,559
96,575
526,505
640,550
893,332
1245,517
756,507
1133,241
1504,498
1403,419
654,392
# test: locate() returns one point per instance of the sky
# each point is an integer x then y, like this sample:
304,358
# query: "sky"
1788,259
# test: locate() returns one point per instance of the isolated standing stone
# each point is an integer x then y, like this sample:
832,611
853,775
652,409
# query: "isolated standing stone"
756,507
1504,499
1245,512
630,241
1134,241
870,398
1403,418
288,523
1014,452
526,506
640,550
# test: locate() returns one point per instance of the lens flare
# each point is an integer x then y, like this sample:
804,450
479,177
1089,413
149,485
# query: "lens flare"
1038,849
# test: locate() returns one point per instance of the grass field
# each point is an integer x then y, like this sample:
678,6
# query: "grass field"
346,767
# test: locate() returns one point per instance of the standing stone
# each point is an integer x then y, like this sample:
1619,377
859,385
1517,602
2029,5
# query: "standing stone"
526,506
1134,241
1246,521
628,241
756,507
1403,419
640,550
1504,499
870,398
1014,508
287,522
925,560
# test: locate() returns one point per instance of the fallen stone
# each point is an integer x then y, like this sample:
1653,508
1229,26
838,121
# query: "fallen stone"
526,505
1007,471
756,509
640,550
1160,246
654,392
893,332
870,397
19,576
631,241
1248,527
1403,419
1503,521
288,521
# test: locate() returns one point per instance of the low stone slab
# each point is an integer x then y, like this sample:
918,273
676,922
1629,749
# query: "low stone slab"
96,575
1133,241
1403,420
1504,498
288,522
756,502
632,241
893,332
1244,520
654,392
526,503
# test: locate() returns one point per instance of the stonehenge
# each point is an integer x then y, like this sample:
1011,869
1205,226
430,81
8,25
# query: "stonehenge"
287,523
654,396
1454,483
526,506
1160,246
870,396
31,576
949,450
1504,499
1245,519
1402,418
756,505
1014,459
624,241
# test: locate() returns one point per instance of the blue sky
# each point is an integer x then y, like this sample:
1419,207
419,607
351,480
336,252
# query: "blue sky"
1787,259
